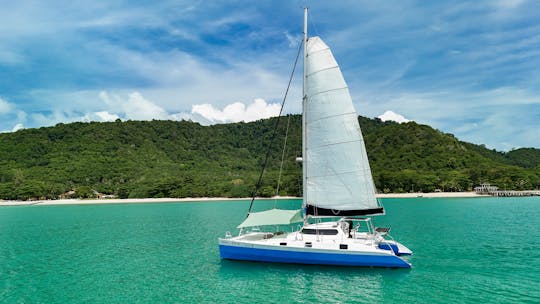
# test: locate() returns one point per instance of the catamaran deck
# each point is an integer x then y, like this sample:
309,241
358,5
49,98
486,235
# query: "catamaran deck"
320,243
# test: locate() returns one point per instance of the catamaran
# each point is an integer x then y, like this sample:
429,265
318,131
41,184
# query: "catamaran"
338,189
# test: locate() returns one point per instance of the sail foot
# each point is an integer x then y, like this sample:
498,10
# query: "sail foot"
317,211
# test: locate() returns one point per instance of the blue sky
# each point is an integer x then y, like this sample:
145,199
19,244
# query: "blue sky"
471,68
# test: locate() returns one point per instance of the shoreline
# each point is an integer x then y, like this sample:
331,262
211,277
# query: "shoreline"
209,199
430,195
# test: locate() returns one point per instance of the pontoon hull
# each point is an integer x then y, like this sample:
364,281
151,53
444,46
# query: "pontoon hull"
248,252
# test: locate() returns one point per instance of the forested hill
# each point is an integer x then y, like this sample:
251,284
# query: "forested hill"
184,159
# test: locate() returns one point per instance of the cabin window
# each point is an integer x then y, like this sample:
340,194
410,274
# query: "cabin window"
320,231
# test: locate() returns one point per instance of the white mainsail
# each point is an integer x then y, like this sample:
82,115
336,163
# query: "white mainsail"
338,176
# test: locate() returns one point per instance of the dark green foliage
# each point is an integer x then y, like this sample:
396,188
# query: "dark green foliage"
145,159
524,157
184,159
411,157
84,192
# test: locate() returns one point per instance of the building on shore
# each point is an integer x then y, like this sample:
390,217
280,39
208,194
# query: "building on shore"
486,189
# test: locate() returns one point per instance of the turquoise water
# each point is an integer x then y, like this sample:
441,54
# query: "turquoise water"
480,250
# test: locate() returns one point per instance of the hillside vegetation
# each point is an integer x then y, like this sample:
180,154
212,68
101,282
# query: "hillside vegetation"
184,159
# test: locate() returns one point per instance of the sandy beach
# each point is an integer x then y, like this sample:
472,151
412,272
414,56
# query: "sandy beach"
206,199
430,195
117,201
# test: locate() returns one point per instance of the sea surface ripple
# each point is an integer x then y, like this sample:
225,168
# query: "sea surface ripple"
466,250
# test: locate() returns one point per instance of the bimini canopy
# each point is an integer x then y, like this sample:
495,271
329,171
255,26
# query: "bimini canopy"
272,217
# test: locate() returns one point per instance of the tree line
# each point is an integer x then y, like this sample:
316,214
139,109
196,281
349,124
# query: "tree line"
136,159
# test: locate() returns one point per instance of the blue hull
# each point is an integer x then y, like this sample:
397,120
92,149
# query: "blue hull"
306,257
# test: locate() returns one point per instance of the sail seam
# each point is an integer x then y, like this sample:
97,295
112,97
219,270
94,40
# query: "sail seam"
325,69
335,144
335,174
318,51
326,91
332,116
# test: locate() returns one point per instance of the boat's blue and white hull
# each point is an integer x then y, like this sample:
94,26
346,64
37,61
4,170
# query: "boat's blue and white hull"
288,254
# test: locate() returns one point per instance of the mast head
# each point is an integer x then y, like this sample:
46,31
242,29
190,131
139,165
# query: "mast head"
305,23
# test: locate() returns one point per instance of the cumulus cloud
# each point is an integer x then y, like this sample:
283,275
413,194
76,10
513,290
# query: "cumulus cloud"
106,116
5,107
62,116
17,127
112,106
101,116
237,111
392,116
135,107
107,106
465,114
10,115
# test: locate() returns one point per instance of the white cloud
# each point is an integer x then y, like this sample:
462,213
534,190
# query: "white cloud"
392,116
95,116
17,127
21,116
5,107
485,117
62,116
140,108
198,81
106,106
293,40
237,111
134,107
106,116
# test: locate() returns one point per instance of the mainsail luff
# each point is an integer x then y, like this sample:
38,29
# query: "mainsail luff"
337,175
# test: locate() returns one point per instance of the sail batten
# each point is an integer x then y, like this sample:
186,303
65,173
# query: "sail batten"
338,176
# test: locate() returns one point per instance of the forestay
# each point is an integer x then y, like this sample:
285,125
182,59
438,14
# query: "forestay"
338,176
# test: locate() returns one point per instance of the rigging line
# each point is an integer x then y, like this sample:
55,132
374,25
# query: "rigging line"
258,185
282,159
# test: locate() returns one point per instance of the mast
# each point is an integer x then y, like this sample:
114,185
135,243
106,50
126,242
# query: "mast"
304,107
